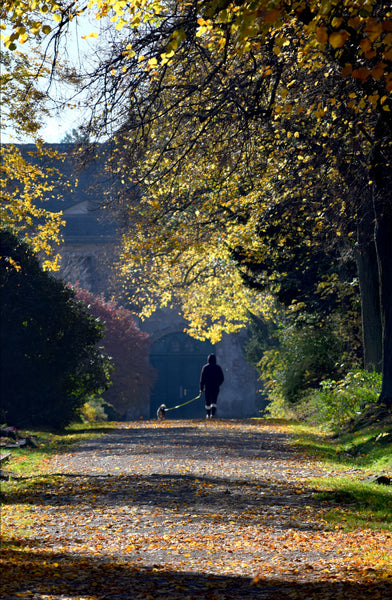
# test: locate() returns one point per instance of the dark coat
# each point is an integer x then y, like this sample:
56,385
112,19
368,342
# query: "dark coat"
211,376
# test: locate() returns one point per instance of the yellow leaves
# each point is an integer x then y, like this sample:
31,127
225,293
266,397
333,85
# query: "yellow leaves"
367,48
279,43
378,71
387,55
336,22
166,57
204,26
93,34
200,279
23,23
25,187
337,39
179,36
346,71
362,74
14,265
373,99
383,104
23,38
120,24
271,16
320,112
373,29
291,134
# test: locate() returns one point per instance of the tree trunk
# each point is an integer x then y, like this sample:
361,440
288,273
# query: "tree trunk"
381,173
369,284
383,239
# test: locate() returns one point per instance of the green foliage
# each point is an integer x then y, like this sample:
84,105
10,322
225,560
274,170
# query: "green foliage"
259,339
365,504
301,360
50,360
30,464
337,402
93,411
96,410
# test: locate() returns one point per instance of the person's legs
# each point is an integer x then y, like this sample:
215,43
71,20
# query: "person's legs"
209,399
212,397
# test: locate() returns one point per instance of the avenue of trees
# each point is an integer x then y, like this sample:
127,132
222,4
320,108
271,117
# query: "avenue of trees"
259,135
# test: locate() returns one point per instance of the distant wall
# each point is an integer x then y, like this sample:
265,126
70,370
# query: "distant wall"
86,263
238,396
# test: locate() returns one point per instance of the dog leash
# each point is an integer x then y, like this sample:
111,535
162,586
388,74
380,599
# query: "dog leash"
180,405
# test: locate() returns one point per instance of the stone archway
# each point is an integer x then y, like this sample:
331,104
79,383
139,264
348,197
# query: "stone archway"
178,359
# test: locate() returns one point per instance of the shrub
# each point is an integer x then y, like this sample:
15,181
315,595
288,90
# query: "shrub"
96,410
132,376
337,402
301,360
50,361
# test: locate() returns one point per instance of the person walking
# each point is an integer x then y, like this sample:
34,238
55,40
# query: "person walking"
211,378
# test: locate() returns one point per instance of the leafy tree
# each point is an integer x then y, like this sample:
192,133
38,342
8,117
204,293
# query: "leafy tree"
133,376
302,360
24,189
26,186
50,362
75,136
227,110
191,116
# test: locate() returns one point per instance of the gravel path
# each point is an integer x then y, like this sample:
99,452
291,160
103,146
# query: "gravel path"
189,509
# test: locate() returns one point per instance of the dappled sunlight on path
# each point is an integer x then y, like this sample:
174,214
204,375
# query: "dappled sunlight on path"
189,509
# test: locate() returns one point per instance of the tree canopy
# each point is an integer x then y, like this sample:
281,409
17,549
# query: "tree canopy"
26,185
259,135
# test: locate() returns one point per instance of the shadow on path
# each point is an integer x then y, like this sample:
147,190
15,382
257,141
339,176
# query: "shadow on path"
122,514
197,496
57,575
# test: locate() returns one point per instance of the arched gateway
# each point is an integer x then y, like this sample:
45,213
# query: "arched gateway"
178,359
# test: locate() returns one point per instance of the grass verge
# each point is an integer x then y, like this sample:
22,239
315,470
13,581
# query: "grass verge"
26,461
361,455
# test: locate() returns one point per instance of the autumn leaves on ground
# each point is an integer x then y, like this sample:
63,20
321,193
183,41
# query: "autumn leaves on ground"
186,510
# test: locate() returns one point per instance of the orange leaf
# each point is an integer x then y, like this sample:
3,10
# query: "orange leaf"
337,39
322,35
362,74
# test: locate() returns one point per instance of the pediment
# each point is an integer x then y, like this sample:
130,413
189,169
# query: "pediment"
81,208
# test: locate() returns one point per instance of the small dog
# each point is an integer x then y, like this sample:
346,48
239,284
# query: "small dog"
161,412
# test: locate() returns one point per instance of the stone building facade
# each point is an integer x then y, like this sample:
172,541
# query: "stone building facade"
90,239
